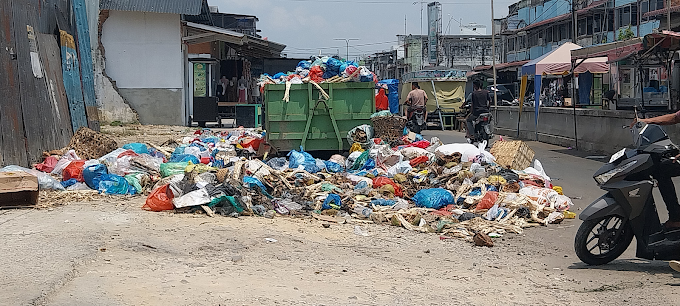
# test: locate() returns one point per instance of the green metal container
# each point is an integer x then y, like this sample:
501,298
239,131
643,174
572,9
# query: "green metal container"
313,121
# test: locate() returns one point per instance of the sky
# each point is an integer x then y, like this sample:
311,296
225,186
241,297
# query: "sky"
309,26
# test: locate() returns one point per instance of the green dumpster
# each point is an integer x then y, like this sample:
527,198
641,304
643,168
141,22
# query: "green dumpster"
313,121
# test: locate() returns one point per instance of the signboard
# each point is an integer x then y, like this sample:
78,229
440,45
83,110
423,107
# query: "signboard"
433,10
200,80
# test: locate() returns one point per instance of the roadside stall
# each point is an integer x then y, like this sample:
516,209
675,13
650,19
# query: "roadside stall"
445,92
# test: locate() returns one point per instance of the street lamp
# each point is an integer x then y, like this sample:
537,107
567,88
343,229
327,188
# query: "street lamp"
347,42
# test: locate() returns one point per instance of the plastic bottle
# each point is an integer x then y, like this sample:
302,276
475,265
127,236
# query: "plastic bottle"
363,210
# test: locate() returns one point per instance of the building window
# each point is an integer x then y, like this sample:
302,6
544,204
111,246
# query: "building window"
597,23
549,34
582,24
589,25
610,21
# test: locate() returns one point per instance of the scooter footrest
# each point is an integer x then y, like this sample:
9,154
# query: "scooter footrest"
673,235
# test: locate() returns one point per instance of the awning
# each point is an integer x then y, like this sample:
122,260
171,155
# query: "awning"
663,11
666,40
501,66
558,62
613,51
245,44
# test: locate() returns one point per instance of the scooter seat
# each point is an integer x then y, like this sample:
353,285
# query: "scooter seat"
672,235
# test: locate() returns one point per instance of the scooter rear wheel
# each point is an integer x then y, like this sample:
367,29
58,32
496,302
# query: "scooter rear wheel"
599,234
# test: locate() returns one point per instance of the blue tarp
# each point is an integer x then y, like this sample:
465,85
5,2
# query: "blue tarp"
392,94
585,83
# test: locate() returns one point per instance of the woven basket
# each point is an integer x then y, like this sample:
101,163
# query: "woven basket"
515,155
389,128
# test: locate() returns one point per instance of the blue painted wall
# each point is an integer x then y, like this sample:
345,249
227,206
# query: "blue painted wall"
648,27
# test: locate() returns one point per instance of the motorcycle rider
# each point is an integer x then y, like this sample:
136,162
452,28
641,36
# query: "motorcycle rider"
665,173
480,102
417,98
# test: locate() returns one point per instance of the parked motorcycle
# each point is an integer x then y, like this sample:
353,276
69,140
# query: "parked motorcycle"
417,122
628,208
482,133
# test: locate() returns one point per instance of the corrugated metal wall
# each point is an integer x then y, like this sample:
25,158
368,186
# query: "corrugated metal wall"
34,110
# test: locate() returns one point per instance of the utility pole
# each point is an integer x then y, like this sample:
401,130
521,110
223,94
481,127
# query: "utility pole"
493,59
668,16
347,42
573,70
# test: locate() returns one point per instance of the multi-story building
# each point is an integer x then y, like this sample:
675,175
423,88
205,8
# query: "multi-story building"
386,65
455,51
533,27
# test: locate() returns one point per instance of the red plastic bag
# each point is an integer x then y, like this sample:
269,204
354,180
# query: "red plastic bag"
382,180
128,153
316,74
48,164
160,199
74,170
250,142
418,160
423,144
488,200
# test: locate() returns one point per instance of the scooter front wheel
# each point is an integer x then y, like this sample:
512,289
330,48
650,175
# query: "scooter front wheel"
602,240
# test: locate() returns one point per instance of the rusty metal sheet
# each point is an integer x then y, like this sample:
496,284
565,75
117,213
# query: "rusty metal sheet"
50,54
71,73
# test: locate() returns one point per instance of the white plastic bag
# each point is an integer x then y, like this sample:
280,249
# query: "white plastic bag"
196,197
45,181
401,167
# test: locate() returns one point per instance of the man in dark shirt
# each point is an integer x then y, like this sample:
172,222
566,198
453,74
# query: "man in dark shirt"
480,101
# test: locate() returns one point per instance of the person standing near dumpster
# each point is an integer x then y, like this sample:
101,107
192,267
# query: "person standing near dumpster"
381,101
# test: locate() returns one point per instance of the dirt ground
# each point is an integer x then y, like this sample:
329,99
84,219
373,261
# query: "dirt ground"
107,251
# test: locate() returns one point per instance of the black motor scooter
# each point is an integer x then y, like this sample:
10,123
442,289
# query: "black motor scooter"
628,208
417,122
483,132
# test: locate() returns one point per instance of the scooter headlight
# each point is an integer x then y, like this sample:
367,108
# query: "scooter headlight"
605,177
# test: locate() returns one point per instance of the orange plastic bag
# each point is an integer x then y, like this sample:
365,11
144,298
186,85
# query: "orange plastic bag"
160,199
488,200
74,170
418,160
380,181
316,74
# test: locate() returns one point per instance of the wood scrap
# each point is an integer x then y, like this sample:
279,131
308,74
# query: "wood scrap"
159,149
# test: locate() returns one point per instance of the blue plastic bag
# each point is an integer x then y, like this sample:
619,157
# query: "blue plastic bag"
369,165
181,158
115,184
383,202
332,167
69,182
278,75
333,201
433,198
302,158
332,68
305,64
138,148
92,175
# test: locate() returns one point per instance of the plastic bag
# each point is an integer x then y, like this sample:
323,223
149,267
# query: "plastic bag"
196,197
351,159
356,147
111,157
74,170
333,201
92,174
433,198
316,74
304,159
338,159
78,186
401,167
544,196
45,181
360,161
332,167
159,200
304,64
180,158
169,169
488,200
562,203
353,136
48,164
138,148
278,163
135,181
115,184
381,181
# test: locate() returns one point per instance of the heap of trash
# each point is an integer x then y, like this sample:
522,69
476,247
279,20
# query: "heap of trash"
322,70
457,190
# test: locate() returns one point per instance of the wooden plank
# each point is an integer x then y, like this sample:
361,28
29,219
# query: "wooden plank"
51,58
85,59
12,141
23,17
71,75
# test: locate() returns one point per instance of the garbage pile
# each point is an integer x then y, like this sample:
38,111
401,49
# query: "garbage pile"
322,70
456,190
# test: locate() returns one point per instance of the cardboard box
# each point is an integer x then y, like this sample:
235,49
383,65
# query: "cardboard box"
18,189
